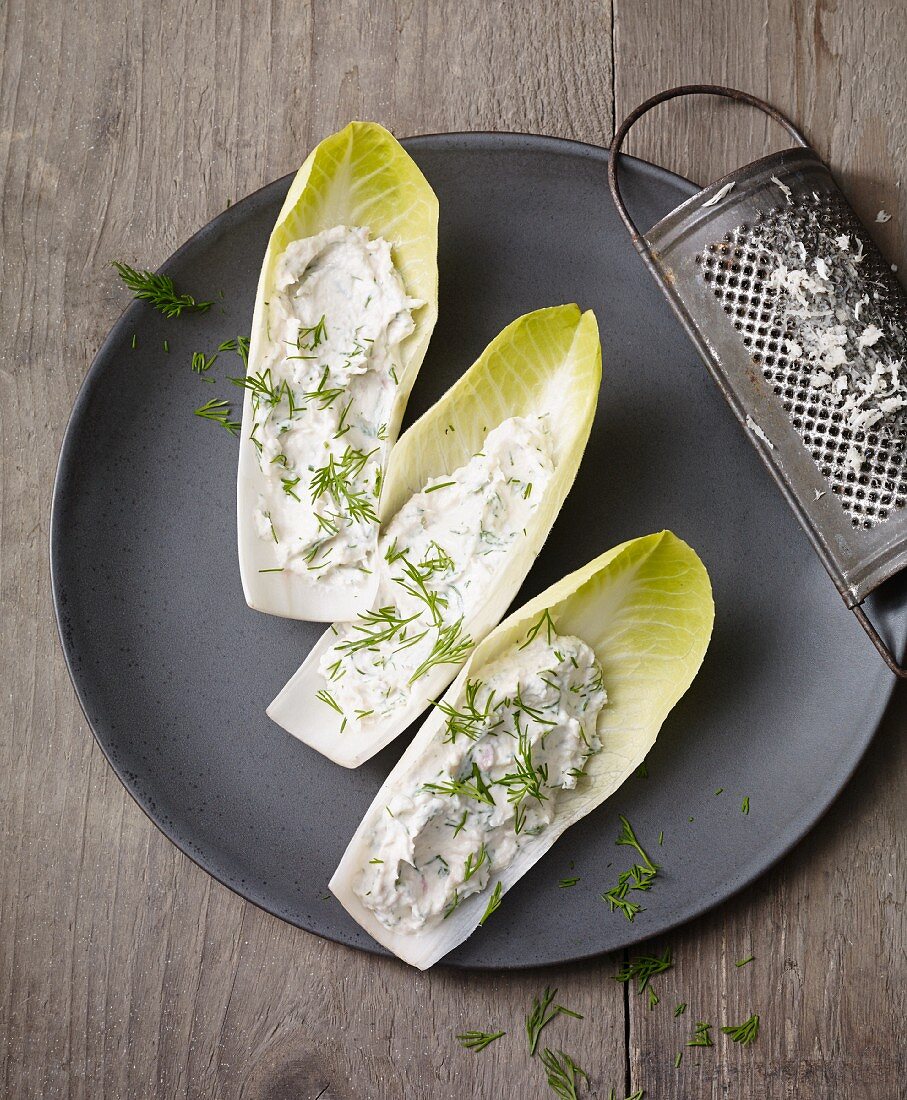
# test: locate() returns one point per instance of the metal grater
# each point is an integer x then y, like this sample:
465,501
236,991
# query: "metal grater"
803,325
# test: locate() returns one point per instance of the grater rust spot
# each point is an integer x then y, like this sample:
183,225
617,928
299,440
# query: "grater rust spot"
740,270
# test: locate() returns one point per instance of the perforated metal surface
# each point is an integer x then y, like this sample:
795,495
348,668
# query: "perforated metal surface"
742,271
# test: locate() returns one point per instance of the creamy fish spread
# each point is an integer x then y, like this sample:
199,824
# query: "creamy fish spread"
322,399
439,558
511,743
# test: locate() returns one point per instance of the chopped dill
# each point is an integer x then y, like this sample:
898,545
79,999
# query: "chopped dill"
325,697
564,1075
643,968
478,1040
202,363
494,903
539,1018
475,787
744,1033
451,648
219,412
743,962
639,877
545,621
701,1036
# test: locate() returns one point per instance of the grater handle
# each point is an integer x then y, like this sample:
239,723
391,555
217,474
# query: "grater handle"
633,117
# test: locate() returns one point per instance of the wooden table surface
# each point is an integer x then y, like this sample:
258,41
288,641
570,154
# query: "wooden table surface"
124,970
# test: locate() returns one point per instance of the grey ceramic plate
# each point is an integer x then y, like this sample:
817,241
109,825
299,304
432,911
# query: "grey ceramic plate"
174,671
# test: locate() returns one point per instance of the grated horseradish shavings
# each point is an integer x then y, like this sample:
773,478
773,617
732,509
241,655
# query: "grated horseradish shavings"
853,366
883,216
719,194
759,433
819,493
783,187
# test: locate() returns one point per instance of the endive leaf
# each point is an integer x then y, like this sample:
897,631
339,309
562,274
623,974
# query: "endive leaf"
646,610
360,176
546,362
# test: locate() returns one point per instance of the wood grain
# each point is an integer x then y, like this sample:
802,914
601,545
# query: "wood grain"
124,970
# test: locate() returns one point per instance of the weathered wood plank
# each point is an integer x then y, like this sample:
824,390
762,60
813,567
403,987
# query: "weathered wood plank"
124,970
828,926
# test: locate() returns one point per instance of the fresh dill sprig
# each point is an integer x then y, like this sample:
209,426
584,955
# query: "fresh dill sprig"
325,697
701,1037
545,621
451,648
744,1033
375,627
539,1018
289,487
527,779
643,968
240,344
219,412
678,1058
628,837
440,485
474,861
159,291
316,334
638,1095
743,962
413,582
470,720
564,1075
325,395
336,479
567,882
639,877
494,903
680,1009
478,1040
262,387
653,998
475,787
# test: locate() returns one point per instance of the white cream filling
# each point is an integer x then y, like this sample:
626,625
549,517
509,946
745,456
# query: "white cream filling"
322,399
512,742
439,558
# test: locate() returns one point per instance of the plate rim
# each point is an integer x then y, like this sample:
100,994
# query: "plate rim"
806,820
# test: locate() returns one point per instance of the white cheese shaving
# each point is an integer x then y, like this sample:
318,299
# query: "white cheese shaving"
883,216
719,194
819,493
757,431
846,355
783,187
